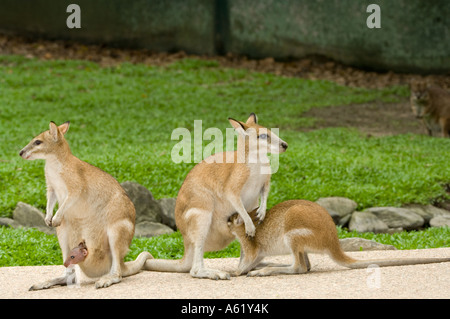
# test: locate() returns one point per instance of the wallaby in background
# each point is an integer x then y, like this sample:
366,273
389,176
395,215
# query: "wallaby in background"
297,227
214,189
93,208
432,105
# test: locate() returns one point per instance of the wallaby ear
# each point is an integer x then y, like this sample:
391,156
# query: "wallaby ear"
53,131
63,128
238,126
238,221
253,119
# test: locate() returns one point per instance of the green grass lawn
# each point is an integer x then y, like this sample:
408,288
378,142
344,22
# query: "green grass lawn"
122,118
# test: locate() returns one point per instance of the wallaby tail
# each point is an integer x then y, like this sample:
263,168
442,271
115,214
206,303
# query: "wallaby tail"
133,267
167,265
395,262
344,260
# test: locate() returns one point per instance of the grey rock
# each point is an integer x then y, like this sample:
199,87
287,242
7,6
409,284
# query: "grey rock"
150,229
427,211
26,215
357,244
337,207
367,222
396,217
436,211
147,208
8,222
344,220
47,230
168,211
439,221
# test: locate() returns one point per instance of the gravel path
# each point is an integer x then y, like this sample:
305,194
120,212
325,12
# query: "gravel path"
326,280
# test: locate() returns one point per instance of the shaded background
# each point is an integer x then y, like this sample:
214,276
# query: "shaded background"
414,35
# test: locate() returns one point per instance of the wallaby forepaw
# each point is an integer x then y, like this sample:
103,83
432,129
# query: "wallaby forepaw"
55,222
250,230
260,217
48,221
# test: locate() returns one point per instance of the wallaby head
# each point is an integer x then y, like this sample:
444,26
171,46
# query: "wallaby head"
263,139
48,143
236,223
77,255
420,98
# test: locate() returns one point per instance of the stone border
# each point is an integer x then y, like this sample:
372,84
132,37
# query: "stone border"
384,219
155,217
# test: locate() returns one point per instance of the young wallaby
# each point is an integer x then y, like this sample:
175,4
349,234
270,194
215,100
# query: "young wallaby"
217,187
92,207
77,255
432,105
297,227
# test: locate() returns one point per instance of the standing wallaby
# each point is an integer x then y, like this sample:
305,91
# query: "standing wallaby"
297,227
93,208
217,187
432,105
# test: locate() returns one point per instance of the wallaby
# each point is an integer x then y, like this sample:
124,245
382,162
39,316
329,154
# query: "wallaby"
93,208
217,187
297,227
77,255
432,105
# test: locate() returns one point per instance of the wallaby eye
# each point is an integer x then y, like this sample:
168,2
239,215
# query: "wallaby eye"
263,136
72,257
37,142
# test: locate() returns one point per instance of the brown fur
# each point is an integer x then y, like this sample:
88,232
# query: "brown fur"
432,105
297,227
212,192
92,207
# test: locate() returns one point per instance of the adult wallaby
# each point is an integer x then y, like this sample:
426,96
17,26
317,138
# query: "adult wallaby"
93,208
432,105
217,187
297,227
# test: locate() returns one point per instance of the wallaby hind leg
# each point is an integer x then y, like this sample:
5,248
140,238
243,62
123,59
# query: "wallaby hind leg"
246,264
60,281
70,278
297,267
69,275
269,264
307,263
198,236
445,127
118,245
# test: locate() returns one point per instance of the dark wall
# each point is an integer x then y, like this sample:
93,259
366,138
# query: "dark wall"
414,34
